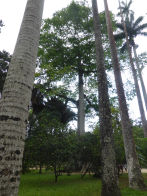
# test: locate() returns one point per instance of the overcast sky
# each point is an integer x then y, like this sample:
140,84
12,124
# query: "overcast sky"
11,12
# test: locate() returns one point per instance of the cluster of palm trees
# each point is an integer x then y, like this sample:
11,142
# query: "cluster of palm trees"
17,94
130,28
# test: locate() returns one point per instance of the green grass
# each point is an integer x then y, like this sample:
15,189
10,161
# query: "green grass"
33,184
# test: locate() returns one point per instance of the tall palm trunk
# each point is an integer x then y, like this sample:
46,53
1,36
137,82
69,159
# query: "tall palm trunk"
16,98
81,106
139,98
135,177
109,174
140,76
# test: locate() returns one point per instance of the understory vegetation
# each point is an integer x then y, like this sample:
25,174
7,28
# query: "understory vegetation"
74,120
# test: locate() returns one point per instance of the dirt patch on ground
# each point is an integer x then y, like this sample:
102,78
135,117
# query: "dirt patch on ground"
144,170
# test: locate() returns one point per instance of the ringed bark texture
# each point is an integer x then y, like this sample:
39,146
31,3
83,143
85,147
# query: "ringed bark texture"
16,98
135,177
109,174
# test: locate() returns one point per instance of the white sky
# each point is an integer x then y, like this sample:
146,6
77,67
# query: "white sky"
11,12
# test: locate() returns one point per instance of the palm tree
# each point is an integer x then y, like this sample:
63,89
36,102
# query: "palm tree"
125,9
133,29
135,177
109,179
16,98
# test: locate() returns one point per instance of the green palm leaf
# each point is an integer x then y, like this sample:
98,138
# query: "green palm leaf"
143,33
140,28
139,20
120,26
119,36
124,47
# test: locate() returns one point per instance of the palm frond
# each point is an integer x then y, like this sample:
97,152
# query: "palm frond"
143,33
123,3
138,20
120,26
141,27
119,36
124,48
131,18
129,4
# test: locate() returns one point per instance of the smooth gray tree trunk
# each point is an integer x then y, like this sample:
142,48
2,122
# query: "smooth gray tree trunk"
139,98
140,77
16,98
135,177
81,105
109,172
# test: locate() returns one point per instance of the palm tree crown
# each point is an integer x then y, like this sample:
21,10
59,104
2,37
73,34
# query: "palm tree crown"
134,28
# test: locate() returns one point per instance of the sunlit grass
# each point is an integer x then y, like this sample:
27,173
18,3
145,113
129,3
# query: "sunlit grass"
34,184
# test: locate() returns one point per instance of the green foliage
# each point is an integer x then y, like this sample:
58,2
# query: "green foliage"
67,50
141,145
46,142
66,42
4,63
142,59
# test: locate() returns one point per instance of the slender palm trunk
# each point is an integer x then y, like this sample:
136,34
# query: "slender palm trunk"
16,98
109,174
139,98
81,106
140,77
135,177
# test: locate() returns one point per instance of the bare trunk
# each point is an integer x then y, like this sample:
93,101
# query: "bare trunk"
16,98
139,98
135,177
56,174
140,77
109,174
40,168
81,107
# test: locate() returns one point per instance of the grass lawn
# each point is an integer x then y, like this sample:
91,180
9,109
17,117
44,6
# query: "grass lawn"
33,184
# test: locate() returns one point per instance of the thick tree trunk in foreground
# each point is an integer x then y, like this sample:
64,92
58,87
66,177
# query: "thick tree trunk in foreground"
140,77
135,177
109,173
16,99
81,106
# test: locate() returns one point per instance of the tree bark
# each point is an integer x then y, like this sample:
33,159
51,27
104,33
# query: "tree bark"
140,77
40,168
109,172
16,98
81,106
135,177
139,98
